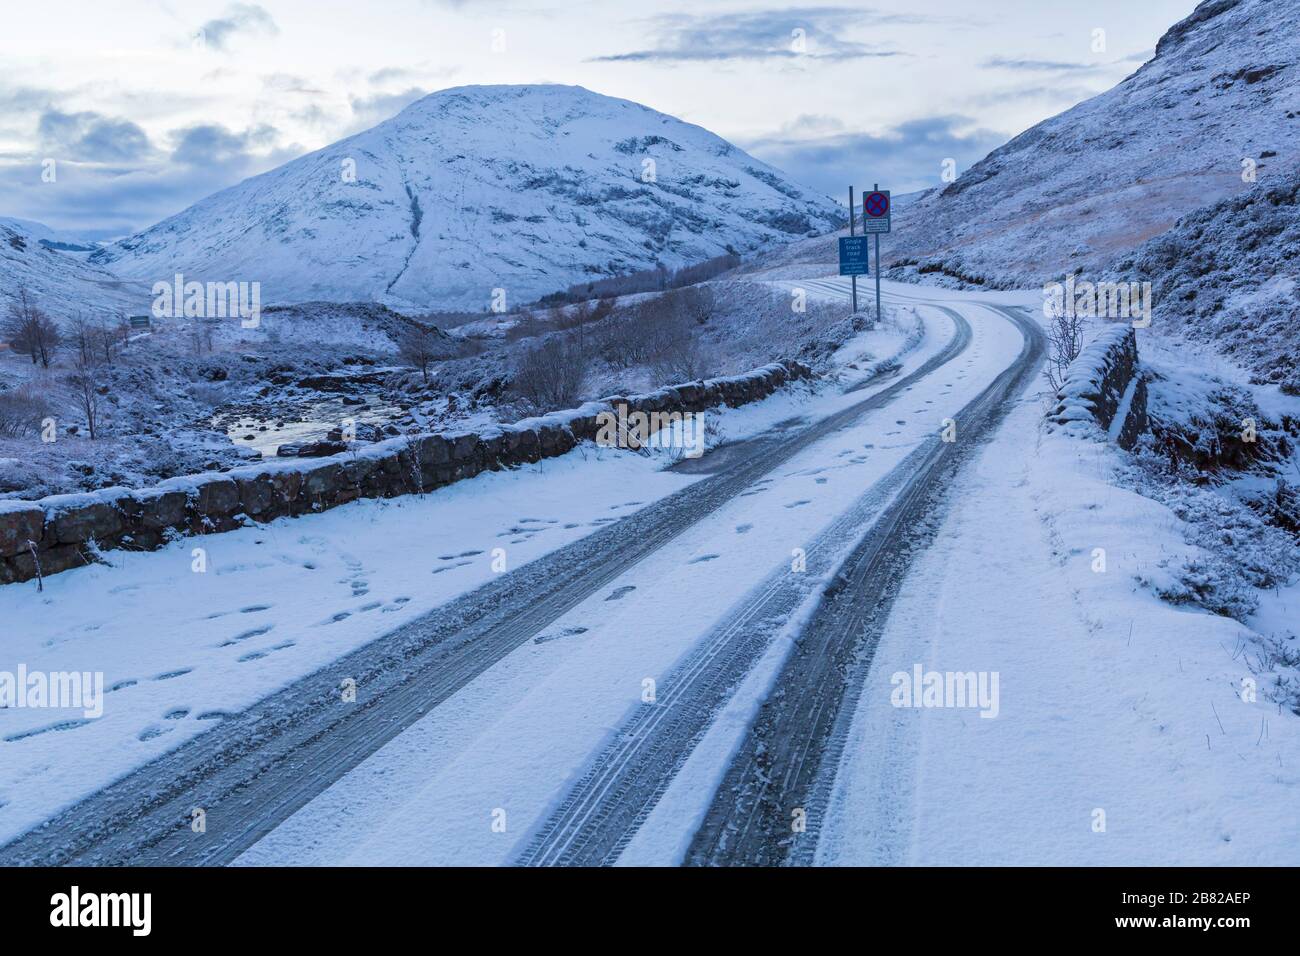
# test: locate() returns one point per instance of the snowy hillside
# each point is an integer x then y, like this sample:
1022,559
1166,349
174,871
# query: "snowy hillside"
1081,188
522,188
61,281
1230,274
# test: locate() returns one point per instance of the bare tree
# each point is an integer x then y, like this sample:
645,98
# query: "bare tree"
1065,340
81,338
29,331
85,381
109,336
421,345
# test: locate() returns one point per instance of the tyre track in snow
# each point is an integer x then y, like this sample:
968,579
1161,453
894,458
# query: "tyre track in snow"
792,750
616,794
612,799
257,768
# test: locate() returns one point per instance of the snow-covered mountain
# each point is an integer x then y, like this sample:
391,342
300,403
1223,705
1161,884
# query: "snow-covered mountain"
62,282
1081,189
523,188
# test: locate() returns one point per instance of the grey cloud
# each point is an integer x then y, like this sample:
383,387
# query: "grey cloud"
760,35
239,18
215,145
1055,93
92,137
905,158
1037,66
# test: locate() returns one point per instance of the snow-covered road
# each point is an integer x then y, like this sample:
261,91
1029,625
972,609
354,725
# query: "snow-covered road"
494,763
594,702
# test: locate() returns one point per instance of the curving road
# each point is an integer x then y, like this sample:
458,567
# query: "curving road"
788,757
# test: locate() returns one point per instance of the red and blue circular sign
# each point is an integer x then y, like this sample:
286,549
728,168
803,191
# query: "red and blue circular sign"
876,205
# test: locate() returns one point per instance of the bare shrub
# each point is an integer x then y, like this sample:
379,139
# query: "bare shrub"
657,279
21,412
551,374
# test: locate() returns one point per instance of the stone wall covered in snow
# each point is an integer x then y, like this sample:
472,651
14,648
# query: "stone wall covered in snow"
67,531
1104,385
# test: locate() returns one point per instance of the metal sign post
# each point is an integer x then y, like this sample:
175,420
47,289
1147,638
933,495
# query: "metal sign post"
854,279
876,216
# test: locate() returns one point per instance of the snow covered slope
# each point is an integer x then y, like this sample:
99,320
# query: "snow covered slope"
60,282
522,188
1081,188
1229,274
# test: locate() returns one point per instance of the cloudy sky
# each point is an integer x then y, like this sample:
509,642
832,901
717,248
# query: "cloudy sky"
146,106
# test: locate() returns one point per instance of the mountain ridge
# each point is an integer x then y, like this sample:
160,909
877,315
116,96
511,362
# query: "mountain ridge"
477,188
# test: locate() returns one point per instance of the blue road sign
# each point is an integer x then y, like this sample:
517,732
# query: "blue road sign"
855,256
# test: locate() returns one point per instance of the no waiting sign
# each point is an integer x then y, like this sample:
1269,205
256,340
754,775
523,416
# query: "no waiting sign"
876,209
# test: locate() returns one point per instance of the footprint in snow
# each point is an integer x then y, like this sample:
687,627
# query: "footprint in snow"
742,528
255,632
820,481
556,635
123,685
702,558
178,714
258,655
619,593
797,504
252,608
152,731
171,674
